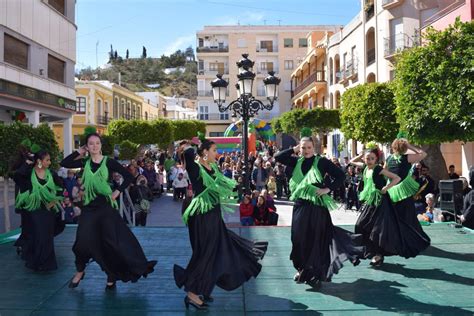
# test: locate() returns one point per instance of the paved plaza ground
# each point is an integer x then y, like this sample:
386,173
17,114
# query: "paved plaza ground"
438,282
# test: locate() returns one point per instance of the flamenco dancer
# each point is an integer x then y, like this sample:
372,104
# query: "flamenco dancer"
39,192
383,232
102,235
415,239
319,248
220,257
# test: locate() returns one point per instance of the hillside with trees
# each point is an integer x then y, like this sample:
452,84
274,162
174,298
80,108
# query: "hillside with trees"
146,73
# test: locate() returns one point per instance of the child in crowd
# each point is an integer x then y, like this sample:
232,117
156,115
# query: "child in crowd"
246,212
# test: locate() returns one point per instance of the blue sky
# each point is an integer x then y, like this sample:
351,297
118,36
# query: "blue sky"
163,26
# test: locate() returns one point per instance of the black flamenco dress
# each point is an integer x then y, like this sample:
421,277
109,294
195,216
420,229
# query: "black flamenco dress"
102,235
318,247
39,224
220,257
415,239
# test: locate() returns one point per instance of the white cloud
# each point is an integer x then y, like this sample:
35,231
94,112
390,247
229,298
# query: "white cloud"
180,43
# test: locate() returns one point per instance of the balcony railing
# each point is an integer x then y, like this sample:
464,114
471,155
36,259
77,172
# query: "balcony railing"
397,43
103,119
317,76
351,69
266,70
213,116
370,56
267,49
212,49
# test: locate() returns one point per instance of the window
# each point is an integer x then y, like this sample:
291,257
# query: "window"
204,112
115,109
266,46
201,64
241,42
288,42
122,108
56,68
99,107
303,42
81,105
146,116
224,116
15,52
59,5
266,66
288,64
216,134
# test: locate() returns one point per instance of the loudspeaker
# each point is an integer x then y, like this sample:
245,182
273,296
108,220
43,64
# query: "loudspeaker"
451,195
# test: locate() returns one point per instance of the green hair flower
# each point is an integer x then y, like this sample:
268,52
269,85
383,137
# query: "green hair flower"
306,132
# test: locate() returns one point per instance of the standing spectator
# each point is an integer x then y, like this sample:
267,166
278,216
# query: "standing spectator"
161,178
240,188
465,186
452,173
169,162
352,198
259,176
281,180
141,196
150,175
261,212
179,187
69,217
271,184
70,182
427,185
246,212
227,170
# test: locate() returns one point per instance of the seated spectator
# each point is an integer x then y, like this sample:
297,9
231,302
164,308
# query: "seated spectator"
69,217
260,212
240,188
254,197
179,187
269,201
427,216
246,212
467,217
465,186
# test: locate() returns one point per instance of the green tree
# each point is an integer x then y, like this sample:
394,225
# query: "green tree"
128,150
368,113
435,91
187,129
163,132
126,54
144,52
318,119
10,138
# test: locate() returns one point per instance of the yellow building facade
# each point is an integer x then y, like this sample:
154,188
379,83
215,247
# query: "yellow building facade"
100,102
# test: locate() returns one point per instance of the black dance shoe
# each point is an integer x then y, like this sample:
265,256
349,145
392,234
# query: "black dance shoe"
377,261
314,283
19,250
206,299
74,285
111,287
355,262
188,301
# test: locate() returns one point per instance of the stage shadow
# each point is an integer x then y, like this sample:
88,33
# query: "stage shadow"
391,299
265,303
440,253
432,274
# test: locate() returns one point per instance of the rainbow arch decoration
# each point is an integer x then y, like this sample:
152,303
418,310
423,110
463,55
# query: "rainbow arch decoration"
227,144
263,128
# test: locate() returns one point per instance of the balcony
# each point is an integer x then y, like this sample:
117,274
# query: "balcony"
397,43
212,49
208,93
103,119
351,70
213,116
317,76
370,56
388,4
267,49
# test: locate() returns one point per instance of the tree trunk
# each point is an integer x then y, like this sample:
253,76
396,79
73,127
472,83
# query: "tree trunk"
435,161
6,202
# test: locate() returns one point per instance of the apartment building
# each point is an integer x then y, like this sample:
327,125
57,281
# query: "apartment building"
172,108
37,59
272,48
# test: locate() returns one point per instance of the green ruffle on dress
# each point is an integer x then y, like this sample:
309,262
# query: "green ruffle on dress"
370,194
219,190
97,183
302,186
40,194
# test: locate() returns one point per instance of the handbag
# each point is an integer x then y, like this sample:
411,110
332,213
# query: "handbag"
144,205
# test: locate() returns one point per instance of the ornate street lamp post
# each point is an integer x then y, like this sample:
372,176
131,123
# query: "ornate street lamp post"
245,106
